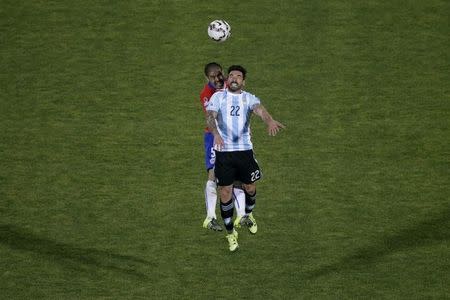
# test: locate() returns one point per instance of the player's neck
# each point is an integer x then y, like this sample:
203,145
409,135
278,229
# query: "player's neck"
235,92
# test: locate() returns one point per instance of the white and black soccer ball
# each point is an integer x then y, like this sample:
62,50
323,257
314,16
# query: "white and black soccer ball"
219,30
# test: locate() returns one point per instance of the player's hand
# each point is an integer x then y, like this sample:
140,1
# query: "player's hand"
273,127
218,142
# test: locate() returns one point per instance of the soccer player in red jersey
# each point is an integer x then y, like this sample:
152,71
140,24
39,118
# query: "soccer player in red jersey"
213,73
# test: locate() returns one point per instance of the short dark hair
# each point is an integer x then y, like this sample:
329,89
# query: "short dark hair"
238,68
210,66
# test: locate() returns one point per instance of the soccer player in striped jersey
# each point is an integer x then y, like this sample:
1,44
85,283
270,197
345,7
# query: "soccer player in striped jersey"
213,73
228,118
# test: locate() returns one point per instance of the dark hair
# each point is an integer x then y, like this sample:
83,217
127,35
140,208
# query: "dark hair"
210,66
238,68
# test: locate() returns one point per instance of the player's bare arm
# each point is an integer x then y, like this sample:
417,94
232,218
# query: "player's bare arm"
211,117
273,126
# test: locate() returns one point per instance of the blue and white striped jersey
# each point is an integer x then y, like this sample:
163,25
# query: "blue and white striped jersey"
233,120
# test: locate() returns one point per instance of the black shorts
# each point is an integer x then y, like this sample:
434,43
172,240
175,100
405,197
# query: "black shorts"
236,166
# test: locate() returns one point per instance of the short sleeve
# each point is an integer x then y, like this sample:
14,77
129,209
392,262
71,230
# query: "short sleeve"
213,103
253,101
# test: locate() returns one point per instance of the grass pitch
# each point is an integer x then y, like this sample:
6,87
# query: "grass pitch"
101,158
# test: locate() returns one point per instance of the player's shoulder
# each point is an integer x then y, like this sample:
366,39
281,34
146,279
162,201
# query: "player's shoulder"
206,96
207,90
219,93
250,95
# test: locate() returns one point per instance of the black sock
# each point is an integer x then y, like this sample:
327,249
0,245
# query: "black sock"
249,202
226,211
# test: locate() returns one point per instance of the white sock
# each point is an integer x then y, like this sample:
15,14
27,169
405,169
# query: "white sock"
239,201
211,199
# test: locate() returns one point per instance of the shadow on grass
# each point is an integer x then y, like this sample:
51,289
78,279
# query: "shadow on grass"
69,255
428,232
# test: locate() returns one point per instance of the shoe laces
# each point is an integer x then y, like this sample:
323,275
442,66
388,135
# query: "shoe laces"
247,221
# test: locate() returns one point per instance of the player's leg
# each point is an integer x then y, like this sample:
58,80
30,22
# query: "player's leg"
211,195
210,221
239,202
224,172
250,197
226,206
250,201
226,211
250,173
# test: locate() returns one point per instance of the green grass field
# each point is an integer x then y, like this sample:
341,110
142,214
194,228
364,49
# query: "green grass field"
101,150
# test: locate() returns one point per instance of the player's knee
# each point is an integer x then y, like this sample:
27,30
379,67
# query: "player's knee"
250,188
225,193
211,175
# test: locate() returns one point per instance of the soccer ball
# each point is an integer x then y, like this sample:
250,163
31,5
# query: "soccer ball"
219,30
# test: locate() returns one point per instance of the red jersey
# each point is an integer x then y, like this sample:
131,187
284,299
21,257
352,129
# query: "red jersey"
205,95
